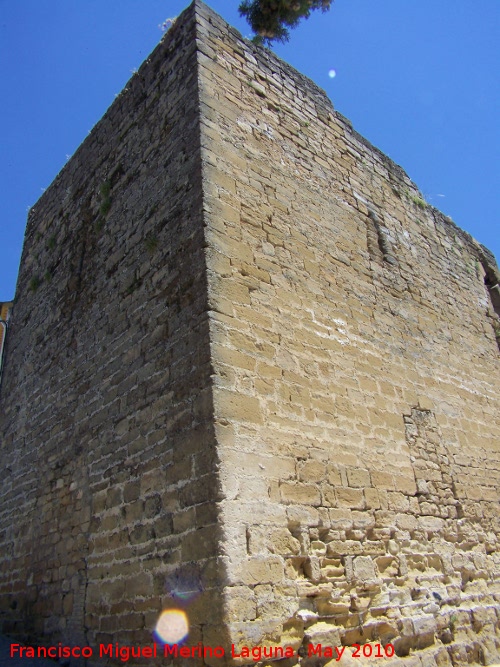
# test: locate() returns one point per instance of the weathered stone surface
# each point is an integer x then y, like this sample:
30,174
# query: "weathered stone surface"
109,459
262,383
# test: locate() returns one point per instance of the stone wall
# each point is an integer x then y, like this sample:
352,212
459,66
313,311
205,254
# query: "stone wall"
107,512
251,373
356,390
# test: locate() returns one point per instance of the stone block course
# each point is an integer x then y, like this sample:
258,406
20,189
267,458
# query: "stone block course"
379,404
262,374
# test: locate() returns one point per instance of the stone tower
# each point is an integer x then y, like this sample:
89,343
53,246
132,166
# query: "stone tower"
252,375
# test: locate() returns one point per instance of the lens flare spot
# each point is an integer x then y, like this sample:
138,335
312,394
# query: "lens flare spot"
332,73
172,626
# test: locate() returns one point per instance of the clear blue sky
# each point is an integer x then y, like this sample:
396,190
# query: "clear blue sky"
418,78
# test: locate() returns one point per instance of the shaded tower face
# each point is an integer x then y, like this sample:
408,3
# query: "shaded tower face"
259,392
109,487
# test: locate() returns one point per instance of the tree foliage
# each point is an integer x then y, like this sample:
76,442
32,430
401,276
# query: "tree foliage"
271,19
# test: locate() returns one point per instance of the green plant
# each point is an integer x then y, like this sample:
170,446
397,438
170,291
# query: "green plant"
151,243
34,283
99,224
453,623
105,191
47,276
51,243
105,206
257,87
273,106
418,202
